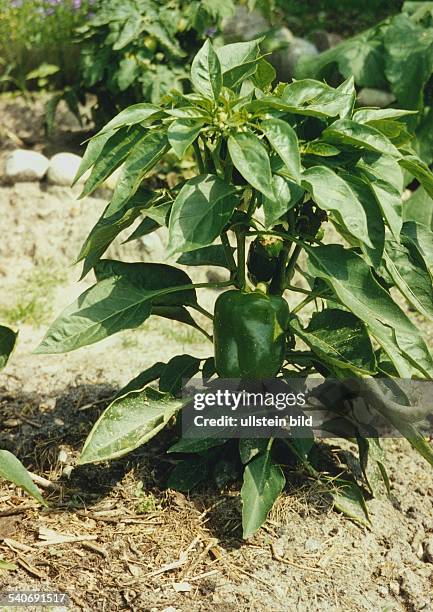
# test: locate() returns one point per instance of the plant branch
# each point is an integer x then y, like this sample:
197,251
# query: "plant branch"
198,156
228,252
240,239
202,311
291,265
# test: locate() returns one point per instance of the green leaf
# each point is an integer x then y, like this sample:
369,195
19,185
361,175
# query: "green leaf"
136,113
238,61
420,238
250,448
411,277
332,193
142,158
349,500
376,228
250,158
151,276
123,299
109,226
372,461
419,208
365,115
127,423
408,66
213,255
175,313
206,72
93,153
339,338
419,170
202,208
284,141
347,132
414,437
12,469
390,202
382,167
352,281
147,226
188,474
286,195
130,30
265,74
181,134
177,370
142,380
8,340
199,445
263,483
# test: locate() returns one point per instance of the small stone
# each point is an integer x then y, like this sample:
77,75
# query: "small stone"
428,550
375,97
394,587
298,49
279,547
312,545
63,169
182,587
22,165
325,40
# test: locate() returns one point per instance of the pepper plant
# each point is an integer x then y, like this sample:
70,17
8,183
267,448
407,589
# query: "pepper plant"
276,167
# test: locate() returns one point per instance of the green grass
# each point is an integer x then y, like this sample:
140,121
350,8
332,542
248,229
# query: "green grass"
32,301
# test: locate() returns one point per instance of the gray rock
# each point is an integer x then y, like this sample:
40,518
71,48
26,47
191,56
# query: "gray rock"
23,166
286,60
375,97
325,40
63,168
244,25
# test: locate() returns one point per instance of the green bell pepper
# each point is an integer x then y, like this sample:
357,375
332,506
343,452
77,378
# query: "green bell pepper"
249,334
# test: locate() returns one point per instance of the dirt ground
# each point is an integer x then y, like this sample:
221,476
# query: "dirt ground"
139,546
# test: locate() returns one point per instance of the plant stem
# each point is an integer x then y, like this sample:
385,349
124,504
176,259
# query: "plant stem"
298,289
198,156
228,252
202,311
291,265
240,239
307,300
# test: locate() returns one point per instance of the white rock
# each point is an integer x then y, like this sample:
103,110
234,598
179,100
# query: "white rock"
22,165
63,168
375,97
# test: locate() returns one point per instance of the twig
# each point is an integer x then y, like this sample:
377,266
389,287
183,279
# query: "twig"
305,568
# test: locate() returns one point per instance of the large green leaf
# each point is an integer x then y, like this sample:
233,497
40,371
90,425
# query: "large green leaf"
361,56
332,193
250,158
177,370
182,133
419,237
319,99
408,60
127,423
109,226
12,469
339,338
353,283
263,483
201,210
348,132
93,152
123,299
420,171
382,167
142,380
349,500
213,255
411,277
376,228
284,141
114,152
419,208
286,195
188,473
238,61
8,339
142,158
206,71
136,113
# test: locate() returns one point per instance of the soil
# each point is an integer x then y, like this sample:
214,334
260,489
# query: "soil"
144,547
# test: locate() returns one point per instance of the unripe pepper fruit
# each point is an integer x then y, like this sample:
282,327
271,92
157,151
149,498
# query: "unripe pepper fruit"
249,334
263,258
